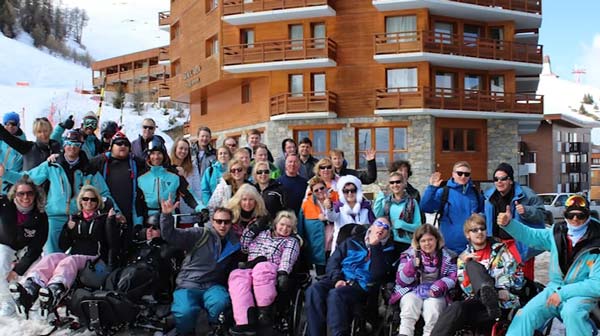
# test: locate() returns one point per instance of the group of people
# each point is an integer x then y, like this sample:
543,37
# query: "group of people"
70,198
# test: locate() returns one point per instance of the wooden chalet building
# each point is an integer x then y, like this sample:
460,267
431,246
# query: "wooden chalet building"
432,81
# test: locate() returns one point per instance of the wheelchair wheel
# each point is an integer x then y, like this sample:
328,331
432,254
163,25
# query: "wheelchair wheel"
299,324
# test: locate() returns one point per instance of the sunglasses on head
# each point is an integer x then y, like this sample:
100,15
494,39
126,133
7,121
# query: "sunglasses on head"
89,199
477,229
381,224
263,171
326,167
571,215
236,170
501,178
576,200
461,173
72,143
24,193
396,182
149,127
349,191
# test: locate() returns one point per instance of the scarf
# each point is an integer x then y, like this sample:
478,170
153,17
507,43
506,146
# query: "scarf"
576,232
87,214
353,214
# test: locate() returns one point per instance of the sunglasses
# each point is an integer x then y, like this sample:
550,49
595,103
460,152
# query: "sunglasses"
397,182
148,127
89,199
381,224
24,193
72,143
571,215
120,143
261,172
501,178
461,173
236,170
318,189
477,230
326,167
576,200
349,191
222,221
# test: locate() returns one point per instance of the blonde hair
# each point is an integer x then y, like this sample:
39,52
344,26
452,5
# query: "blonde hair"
323,161
474,219
39,193
40,123
228,177
314,181
259,164
289,215
235,201
427,229
461,164
92,189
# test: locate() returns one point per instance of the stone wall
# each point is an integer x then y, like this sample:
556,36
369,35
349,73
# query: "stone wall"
503,144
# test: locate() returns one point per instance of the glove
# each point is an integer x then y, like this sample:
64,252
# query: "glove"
203,215
409,268
282,281
259,225
68,123
251,264
438,288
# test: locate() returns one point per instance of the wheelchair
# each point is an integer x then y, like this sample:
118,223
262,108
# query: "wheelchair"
289,316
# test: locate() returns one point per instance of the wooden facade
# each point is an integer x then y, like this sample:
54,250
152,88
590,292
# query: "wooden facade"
238,67
146,72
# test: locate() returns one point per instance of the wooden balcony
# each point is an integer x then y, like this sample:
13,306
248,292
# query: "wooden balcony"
524,13
455,99
280,55
164,90
242,12
313,104
163,55
453,44
164,18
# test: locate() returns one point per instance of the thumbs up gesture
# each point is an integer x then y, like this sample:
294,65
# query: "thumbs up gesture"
520,208
504,217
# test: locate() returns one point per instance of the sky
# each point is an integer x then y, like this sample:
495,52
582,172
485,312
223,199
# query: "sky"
570,35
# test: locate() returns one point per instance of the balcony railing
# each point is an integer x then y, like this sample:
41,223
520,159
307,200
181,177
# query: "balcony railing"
164,18
577,147
442,43
305,102
287,50
455,99
163,54
528,6
231,7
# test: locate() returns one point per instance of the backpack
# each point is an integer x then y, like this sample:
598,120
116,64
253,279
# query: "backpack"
444,201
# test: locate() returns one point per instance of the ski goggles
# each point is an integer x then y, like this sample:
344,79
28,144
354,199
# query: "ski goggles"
577,201
72,143
90,123
382,224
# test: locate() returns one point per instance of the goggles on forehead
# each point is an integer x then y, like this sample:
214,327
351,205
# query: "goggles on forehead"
90,123
379,223
576,200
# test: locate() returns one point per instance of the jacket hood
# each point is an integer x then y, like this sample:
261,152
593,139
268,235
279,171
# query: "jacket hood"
349,179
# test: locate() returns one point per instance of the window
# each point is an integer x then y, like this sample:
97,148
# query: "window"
247,37
460,140
473,82
445,83
401,28
471,34
212,46
176,68
497,34
497,84
296,34
390,144
296,85
211,4
175,31
203,107
319,35
444,32
245,93
323,140
403,80
318,84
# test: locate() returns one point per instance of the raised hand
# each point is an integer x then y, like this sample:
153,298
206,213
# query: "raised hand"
68,123
504,217
167,206
436,179
370,154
